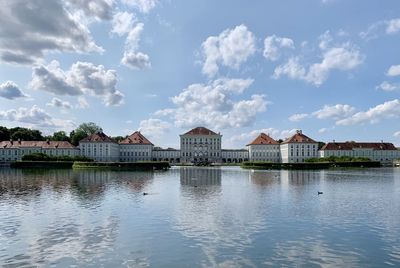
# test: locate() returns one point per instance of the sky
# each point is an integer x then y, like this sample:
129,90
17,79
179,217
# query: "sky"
328,67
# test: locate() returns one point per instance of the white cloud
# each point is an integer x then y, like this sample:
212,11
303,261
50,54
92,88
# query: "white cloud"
57,103
394,70
143,6
213,105
323,130
82,103
389,109
31,28
386,86
298,117
122,23
133,38
392,26
397,134
11,91
99,9
136,61
231,48
378,28
81,78
334,112
154,127
273,44
341,58
35,116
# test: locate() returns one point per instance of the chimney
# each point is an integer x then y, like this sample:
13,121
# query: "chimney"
19,141
299,131
11,141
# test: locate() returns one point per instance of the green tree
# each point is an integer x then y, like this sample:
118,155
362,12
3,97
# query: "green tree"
25,134
89,128
76,136
4,134
118,138
60,136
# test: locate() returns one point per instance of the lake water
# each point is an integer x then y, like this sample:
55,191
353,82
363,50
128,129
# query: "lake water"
200,217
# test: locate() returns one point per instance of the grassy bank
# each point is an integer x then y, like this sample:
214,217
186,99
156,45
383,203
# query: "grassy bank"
122,165
317,165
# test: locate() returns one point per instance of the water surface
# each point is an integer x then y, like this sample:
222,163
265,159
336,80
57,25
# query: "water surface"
200,217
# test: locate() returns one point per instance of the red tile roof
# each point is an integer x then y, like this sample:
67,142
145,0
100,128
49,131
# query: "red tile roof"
299,137
37,144
263,139
358,145
200,131
136,138
98,137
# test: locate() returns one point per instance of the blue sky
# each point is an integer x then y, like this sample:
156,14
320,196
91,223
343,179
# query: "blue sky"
330,68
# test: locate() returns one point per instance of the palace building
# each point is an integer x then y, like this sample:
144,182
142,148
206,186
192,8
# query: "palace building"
200,145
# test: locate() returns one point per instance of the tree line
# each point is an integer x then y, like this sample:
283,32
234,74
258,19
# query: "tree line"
81,132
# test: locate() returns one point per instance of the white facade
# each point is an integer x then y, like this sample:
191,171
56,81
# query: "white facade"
384,152
234,156
15,150
200,145
100,148
135,152
298,148
265,153
169,155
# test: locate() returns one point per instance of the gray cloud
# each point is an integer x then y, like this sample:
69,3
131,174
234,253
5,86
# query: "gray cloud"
10,90
31,28
99,9
56,102
137,61
82,78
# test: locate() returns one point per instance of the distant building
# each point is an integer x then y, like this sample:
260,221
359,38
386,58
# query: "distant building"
376,151
298,148
170,155
100,147
200,145
135,148
264,148
14,150
234,155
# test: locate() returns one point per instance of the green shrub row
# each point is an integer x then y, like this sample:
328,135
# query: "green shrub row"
148,165
62,158
334,159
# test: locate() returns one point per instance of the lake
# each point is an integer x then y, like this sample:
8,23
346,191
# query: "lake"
200,217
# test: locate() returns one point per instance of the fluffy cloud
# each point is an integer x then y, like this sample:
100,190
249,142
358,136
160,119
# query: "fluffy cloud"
273,44
143,6
231,48
31,28
11,91
136,61
393,70
99,9
298,117
389,109
213,105
341,58
334,112
81,78
397,134
386,86
122,23
56,102
381,27
36,117
154,127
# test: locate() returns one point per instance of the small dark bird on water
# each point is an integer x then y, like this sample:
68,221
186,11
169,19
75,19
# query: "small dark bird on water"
145,193
320,193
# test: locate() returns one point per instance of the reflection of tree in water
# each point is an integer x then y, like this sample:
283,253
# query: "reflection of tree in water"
217,223
25,184
265,178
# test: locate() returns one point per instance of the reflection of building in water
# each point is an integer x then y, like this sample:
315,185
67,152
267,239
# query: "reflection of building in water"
264,178
300,177
200,176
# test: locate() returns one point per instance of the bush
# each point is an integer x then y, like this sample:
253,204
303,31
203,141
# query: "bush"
61,158
337,159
